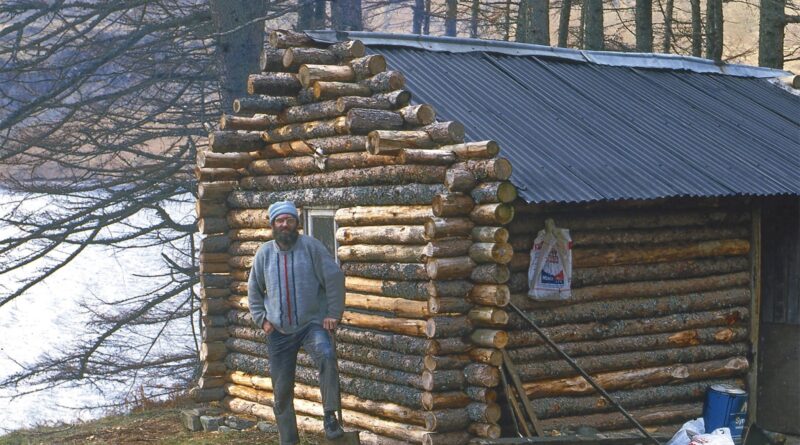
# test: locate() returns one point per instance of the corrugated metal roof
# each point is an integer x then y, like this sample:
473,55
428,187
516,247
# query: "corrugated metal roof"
582,131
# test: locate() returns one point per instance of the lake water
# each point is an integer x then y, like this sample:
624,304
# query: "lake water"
49,317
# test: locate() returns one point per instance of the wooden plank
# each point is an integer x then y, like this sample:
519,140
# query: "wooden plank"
755,311
604,439
516,413
526,403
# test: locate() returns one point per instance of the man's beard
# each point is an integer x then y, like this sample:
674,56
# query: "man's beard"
286,237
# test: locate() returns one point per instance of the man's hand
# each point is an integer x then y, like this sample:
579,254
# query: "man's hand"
330,323
267,327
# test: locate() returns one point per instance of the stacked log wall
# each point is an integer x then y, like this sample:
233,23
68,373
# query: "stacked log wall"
328,126
659,310
217,175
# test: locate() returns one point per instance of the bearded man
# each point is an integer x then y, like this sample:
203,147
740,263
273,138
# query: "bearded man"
296,295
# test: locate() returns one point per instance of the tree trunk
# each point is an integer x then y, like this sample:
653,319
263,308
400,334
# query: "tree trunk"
540,22
474,17
644,26
669,13
563,23
238,51
771,33
697,29
714,33
594,25
450,18
346,15
305,15
418,17
524,22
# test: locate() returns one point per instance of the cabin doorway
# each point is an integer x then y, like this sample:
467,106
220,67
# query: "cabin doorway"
778,388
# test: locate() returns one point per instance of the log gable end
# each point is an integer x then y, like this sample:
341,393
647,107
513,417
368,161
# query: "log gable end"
433,253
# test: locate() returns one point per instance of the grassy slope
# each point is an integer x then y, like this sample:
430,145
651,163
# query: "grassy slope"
157,425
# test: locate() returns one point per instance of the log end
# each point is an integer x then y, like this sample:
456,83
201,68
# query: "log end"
502,168
357,49
506,192
304,76
504,213
426,114
376,64
396,80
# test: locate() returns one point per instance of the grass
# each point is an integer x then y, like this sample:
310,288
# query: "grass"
151,425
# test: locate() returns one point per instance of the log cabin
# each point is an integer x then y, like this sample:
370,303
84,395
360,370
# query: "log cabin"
428,166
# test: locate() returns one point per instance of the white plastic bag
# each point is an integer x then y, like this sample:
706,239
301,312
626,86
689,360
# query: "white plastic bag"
720,436
688,431
550,271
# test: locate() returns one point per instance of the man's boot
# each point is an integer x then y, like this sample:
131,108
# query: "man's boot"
332,428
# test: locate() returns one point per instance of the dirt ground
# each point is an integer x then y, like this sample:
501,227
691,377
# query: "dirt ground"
159,425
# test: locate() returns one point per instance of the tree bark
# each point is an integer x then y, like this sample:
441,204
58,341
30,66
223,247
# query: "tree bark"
381,175
630,360
380,101
669,13
310,392
714,33
447,248
444,400
660,375
397,306
238,51
640,326
644,26
383,215
771,29
449,268
647,342
490,274
371,252
697,29
394,234
365,120
436,228
452,204
594,25
451,14
540,22
411,194
563,23
403,326
637,307
386,271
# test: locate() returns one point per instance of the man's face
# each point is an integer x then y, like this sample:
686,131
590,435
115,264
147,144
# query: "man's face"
284,229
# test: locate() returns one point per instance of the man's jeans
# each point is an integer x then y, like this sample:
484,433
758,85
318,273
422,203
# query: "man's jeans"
282,349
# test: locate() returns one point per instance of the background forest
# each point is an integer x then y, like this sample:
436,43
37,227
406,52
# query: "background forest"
104,104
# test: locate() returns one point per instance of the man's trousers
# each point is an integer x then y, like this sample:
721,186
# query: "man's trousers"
282,349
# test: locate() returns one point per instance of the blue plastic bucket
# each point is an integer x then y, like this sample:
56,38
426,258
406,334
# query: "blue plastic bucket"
725,406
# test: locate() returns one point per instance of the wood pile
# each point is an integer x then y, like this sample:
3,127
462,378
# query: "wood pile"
660,310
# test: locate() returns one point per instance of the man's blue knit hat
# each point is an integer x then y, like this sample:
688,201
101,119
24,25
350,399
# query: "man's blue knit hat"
281,208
